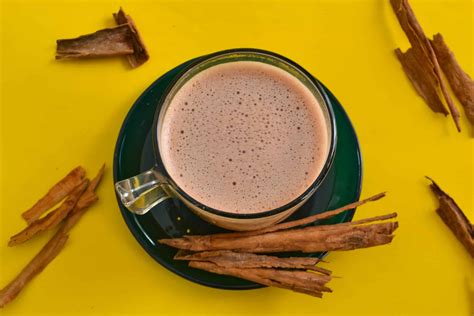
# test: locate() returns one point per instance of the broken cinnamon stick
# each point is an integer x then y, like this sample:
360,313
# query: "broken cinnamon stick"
58,192
227,258
460,82
140,54
454,218
107,42
34,267
298,281
306,220
423,50
309,239
52,219
54,245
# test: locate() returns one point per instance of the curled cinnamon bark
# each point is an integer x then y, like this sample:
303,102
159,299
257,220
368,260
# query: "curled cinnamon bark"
298,281
454,218
53,247
422,77
58,192
306,220
309,239
121,40
460,82
86,200
140,54
107,42
238,254
34,267
423,50
51,219
226,258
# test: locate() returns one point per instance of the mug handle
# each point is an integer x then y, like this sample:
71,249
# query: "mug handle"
142,192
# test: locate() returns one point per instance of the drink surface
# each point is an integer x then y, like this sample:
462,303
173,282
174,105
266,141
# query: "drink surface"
244,137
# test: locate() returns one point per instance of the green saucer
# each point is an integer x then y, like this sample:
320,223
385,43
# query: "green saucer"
134,154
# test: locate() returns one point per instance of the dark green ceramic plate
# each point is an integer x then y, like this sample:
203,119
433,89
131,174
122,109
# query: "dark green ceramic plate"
134,154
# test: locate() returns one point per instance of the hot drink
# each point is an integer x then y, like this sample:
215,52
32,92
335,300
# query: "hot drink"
244,137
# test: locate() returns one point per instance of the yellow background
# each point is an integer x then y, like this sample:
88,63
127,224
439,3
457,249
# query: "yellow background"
56,115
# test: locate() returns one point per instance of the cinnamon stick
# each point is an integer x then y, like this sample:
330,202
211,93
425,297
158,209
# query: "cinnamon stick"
454,218
52,219
58,192
34,267
424,50
54,245
306,220
140,54
460,82
422,77
86,200
298,281
226,258
107,42
238,254
309,239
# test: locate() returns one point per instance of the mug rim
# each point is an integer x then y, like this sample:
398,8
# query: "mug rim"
302,197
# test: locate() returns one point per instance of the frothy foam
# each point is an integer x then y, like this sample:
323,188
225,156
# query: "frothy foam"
244,137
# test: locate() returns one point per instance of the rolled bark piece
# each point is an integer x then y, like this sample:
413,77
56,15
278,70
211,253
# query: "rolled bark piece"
298,281
87,199
50,220
89,194
421,75
454,218
140,54
422,46
460,82
34,267
54,245
309,239
58,192
226,258
115,41
306,220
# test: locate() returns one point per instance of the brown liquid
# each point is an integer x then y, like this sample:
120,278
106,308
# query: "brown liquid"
244,137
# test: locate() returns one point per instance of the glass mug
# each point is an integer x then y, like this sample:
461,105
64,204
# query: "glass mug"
146,190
